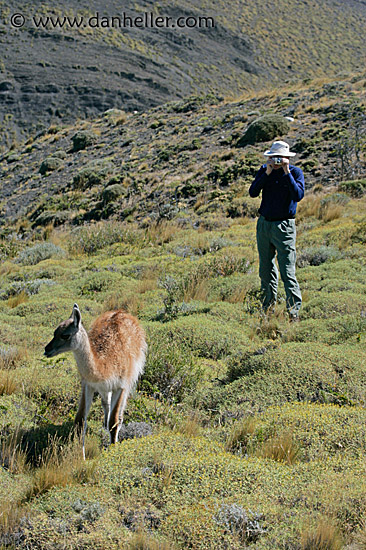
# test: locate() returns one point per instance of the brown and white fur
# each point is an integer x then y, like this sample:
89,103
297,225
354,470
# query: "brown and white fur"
110,358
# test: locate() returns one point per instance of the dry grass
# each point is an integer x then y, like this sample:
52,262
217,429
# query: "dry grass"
144,541
359,542
269,326
20,298
161,232
121,119
324,537
131,303
195,287
13,458
240,434
8,267
164,470
8,383
11,513
281,447
189,426
61,466
331,212
311,206
146,284
11,358
237,296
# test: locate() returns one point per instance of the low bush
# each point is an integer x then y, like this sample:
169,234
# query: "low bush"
42,251
82,139
290,372
316,255
265,128
246,524
94,173
90,239
170,372
28,287
355,188
49,164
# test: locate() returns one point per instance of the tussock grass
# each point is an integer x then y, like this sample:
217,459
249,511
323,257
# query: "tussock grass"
11,514
162,232
270,325
132,303
8,383
281,447
189,426
332,212
13,357
13,457
20,298
325,537
195,287
144,541
61,466
239,437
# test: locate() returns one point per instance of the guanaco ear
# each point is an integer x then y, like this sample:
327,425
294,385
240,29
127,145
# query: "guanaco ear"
76,316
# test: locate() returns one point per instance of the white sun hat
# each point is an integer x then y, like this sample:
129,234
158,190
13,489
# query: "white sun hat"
279,149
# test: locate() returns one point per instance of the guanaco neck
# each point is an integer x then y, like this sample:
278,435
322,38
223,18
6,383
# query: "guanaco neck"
85,358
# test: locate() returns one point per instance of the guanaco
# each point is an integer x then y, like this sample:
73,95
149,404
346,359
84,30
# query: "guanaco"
110,358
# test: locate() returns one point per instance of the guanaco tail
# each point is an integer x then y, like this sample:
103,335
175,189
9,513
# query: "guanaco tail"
110,358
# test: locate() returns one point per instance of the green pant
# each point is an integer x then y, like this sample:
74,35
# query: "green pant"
278,237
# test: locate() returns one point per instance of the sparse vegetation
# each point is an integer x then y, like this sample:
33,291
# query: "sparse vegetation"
244,429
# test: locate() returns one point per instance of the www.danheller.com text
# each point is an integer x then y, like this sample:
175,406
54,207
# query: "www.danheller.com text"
124,20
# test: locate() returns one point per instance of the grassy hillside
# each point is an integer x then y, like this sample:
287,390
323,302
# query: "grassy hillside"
252,429
258,425
52,75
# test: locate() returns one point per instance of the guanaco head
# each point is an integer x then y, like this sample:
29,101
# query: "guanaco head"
64,337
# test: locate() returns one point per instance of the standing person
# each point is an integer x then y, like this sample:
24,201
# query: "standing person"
282,186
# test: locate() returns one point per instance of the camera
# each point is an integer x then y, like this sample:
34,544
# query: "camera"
277,160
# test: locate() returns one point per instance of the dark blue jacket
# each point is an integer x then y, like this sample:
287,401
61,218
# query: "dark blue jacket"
280,192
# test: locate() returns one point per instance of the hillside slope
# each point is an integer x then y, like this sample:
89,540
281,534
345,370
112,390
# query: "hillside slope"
52,75
182,158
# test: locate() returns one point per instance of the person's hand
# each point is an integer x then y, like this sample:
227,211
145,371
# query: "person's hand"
269,166
286,165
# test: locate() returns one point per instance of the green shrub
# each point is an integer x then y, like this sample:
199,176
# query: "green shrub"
170,370
112,192
97,282
191,479
50,164
355,188
50,217
320,429
205,337
290,372
246,524
39,252
82,139
94,173
28,287
317,255
265,128
90,239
